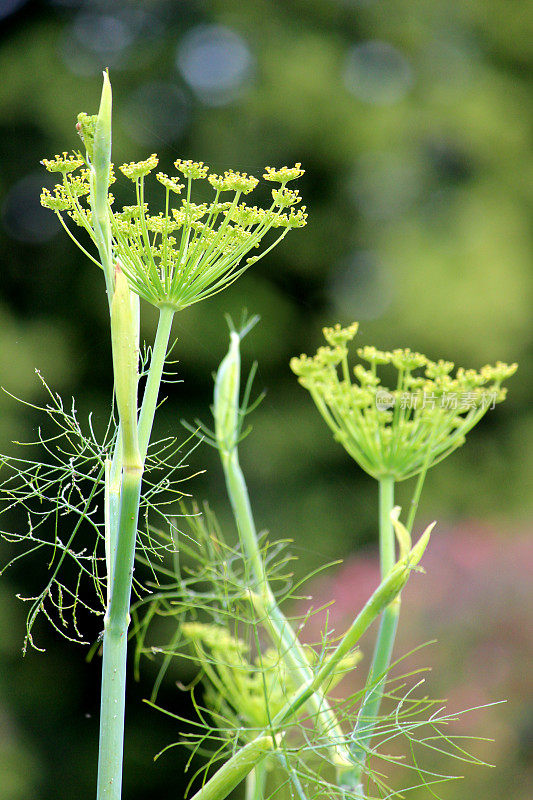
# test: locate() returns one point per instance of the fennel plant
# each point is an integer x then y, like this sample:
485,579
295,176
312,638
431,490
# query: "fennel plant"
267,695
171,260
234,611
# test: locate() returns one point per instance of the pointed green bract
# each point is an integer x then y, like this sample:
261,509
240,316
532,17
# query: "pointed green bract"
226,397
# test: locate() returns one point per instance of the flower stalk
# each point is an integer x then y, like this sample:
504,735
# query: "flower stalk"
393,434
153,380
369,710
117,618
228,416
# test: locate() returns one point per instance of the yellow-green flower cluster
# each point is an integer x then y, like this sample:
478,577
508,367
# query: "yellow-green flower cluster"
283,175
248,692
58,201
139,169
401,431
170,183
64,163
86,127
193,170
286,197
233,182
183,254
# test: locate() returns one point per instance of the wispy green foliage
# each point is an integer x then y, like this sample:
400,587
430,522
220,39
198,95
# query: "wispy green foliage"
63,493
248,683
62,499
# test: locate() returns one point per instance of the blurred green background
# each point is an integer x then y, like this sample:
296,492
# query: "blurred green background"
413,121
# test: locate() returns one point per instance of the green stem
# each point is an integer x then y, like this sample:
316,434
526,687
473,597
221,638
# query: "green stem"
153,381
122,512
418,491
116,643
367,717
235,769
113,483
384,595
386,532
255,783
272,617
112,506
242,511
369,710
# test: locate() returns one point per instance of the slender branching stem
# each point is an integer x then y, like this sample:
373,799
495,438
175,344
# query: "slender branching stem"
272,617
153,381
369,710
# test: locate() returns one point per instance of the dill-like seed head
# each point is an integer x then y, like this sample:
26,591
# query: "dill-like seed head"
188,252
401,431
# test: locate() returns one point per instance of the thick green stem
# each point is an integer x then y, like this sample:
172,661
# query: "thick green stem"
272,617
112,508
236,769
122,512
255,783
369,711
114,479
116,644
153,381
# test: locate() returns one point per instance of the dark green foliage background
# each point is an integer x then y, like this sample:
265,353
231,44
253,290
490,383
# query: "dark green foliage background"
419,226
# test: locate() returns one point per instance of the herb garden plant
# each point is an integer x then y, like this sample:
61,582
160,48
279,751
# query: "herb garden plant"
268,715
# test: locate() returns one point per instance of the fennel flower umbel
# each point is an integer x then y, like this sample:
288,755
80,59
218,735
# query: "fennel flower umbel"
399,432
190,250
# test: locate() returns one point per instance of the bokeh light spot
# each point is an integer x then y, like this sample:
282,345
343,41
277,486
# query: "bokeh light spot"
215,62
108,36
8,7
102,32
375,72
